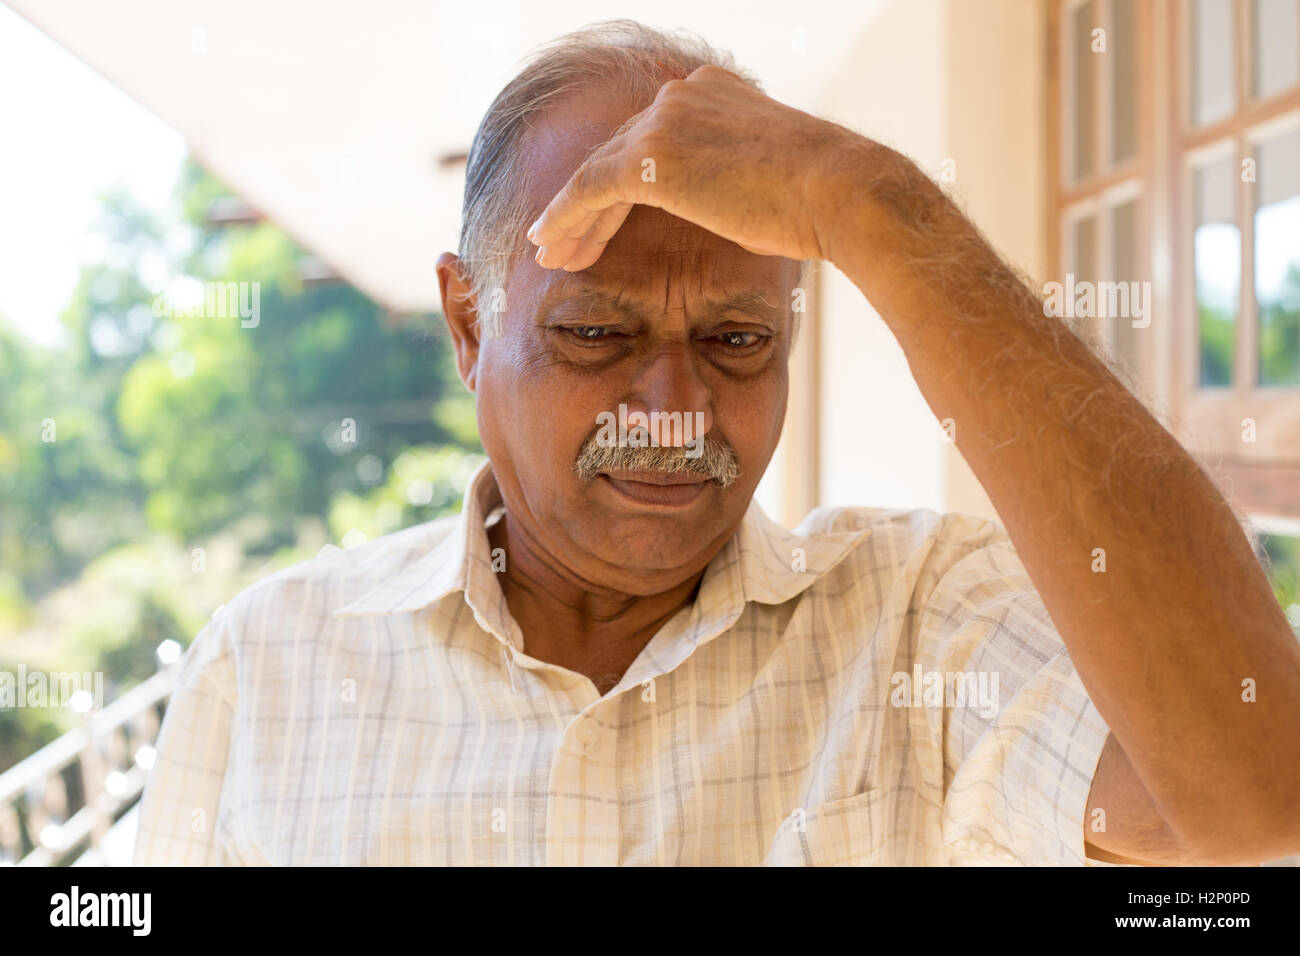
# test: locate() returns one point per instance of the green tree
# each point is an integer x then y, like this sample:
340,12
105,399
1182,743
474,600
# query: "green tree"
233,419
147,436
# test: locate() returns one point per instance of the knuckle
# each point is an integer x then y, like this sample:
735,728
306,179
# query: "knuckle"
671,92
655,135
710,71
581,178
667,113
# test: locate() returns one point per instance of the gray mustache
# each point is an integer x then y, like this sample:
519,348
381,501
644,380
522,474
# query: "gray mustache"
716,460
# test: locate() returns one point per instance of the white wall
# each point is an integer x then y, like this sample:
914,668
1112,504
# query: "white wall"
879,442
938,80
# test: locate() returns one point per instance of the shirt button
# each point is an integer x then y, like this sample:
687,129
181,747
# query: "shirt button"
587,732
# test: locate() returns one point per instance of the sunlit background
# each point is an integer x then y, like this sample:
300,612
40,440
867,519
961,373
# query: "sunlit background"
154,462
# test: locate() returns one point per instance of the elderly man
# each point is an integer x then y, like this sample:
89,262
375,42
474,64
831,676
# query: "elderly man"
612,656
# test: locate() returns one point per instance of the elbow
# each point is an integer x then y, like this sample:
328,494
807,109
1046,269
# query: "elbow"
1243,835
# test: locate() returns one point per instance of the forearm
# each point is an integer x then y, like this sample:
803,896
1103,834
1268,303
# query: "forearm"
1182,615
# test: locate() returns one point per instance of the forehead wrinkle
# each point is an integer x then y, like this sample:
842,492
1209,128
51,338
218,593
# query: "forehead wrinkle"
590,297
751,301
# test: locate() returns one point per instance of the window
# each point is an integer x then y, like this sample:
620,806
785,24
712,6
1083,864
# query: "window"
1102,194
1277,257
1176,155
1216,265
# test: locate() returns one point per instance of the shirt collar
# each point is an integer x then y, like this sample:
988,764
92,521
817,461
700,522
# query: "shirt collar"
460,561
762,562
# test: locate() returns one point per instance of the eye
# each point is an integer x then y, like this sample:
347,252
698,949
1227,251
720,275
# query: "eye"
589,331
740,340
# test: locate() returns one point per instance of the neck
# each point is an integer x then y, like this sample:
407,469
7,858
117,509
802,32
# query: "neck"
571,623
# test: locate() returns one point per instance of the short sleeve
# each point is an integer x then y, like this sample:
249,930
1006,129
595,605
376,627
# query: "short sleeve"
182,795
1020,751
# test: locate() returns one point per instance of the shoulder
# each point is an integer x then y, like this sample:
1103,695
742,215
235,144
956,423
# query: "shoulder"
315,588
915,525
920,544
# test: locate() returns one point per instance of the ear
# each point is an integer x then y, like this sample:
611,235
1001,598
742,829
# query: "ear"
460,310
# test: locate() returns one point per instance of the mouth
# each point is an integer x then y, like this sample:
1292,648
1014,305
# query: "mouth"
657,487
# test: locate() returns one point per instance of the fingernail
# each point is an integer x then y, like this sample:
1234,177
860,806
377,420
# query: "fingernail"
532,230
541,251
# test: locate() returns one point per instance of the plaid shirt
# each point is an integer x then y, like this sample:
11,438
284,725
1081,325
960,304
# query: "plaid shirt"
876,687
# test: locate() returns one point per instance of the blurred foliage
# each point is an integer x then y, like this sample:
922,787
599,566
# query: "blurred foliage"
158,462
1218,334
1279,333
423,483
24,730
272,420
1279,338
1283,564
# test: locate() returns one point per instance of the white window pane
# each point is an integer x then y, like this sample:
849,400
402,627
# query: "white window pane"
1217,265
1277,259
1212,61
1276,43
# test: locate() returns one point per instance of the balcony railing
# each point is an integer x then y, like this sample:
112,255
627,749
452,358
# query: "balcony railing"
62,800
59,804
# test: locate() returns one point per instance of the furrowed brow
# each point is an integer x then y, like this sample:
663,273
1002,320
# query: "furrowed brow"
753,303
585,300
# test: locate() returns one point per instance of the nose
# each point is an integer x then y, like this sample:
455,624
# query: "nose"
672,395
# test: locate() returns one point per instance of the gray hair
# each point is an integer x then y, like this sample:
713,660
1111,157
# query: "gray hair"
629,57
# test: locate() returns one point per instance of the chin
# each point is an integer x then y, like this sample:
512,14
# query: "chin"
656,544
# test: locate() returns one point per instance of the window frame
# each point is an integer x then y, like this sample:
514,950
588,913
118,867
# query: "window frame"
1215,415
1208,419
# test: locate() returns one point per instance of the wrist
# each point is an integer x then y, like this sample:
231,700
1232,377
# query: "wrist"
890,229
868,199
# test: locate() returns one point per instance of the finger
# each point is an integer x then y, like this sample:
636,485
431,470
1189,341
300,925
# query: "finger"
605,177
594,187
557,254
593,243
609,222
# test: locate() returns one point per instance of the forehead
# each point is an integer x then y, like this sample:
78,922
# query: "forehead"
655,255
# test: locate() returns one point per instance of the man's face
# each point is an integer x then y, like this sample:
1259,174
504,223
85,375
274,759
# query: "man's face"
671,319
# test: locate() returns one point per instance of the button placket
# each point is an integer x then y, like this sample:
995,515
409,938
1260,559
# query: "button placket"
579,774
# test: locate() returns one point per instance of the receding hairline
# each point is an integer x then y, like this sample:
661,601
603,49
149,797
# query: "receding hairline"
625,60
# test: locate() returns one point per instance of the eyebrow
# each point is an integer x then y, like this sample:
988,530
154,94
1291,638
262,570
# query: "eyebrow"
751,302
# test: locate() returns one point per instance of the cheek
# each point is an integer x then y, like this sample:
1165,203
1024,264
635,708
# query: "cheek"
751,415
534,409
